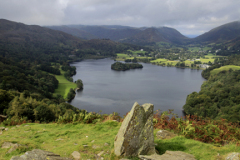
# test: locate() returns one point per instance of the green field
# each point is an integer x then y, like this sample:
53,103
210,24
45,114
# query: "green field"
217,70
91,139
122,57
203,60
159,60
197,49
64,85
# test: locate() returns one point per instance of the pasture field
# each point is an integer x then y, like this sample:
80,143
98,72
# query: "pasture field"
217,70
64,85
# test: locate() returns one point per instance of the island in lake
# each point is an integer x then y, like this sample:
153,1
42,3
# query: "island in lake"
118,66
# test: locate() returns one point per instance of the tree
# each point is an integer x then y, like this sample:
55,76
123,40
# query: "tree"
79,84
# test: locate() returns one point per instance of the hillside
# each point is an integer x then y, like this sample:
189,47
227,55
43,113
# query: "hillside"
20,41
114,33
222,33
152,35
74,31
139,36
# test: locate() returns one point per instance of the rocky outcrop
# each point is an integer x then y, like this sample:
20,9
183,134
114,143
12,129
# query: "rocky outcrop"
135,136
38,154
169,155
164,134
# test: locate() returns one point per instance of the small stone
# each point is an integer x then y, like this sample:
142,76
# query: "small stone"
99,154
85,146
17,125
92,141
76,155
164,134
6,129
14,147
59,139
106,144
26,125
86,136
95,146
75,144
7,145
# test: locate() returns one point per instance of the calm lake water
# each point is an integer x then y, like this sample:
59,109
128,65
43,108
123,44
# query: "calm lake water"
110,91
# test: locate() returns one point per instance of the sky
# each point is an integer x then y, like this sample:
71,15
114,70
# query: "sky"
190,17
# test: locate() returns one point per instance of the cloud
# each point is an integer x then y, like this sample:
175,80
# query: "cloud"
187,16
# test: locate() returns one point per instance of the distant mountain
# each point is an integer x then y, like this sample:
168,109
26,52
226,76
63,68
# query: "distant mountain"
112,32
74,31
222,33
140,36
152,35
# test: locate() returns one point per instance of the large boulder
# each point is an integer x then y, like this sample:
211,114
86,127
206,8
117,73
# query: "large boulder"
135,136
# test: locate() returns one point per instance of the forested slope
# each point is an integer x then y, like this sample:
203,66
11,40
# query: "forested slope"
220,94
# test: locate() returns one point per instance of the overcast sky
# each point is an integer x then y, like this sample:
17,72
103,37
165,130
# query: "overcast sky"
190,17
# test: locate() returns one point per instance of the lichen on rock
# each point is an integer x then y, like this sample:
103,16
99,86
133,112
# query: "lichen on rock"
135,136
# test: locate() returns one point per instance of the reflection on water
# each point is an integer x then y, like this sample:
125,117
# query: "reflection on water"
116,91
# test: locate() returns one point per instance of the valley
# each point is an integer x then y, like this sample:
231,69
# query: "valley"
40,68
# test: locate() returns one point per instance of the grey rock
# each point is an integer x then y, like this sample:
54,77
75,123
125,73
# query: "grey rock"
169,155
85,146
7,145
99,154
17,125
164,134
76,155
14,147
6,129
106,144
59,139
135,136
95,146
38,154
233,156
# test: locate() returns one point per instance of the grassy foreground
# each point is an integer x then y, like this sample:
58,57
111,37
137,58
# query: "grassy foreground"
64,85
91,139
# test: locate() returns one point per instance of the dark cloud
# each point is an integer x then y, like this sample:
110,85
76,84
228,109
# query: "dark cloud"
187,16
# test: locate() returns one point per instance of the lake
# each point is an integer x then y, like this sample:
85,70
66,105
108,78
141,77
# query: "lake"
110,91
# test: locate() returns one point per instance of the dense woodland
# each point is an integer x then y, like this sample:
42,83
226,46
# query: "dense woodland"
118,66
220,94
